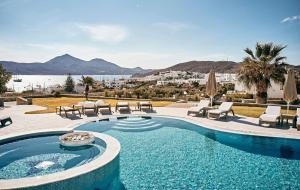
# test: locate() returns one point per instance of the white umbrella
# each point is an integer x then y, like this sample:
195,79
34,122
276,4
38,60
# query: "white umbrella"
211,86
290,91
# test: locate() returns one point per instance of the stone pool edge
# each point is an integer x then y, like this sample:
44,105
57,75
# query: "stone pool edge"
205,124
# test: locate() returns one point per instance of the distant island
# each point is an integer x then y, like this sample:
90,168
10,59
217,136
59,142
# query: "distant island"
66,64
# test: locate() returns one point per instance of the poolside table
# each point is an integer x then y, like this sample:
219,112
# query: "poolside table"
288,117
205,110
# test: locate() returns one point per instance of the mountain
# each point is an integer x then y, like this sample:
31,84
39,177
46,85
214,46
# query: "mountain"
199,66
68,64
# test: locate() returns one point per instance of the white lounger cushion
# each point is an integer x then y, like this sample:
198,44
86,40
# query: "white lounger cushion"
88,104
122,104
225,106
273,110
195,109
99,102
145,103
269,117
202,104
216,111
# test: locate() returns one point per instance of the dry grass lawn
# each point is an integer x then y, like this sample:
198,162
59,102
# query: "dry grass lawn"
51,103
254,111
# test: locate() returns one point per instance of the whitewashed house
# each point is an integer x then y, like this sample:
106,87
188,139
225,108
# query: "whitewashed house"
275,91
54,88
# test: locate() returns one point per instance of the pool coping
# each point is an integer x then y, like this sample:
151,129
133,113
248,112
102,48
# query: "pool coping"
112,150
206,125
237,131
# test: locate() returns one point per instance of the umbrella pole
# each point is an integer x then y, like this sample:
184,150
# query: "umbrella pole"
211,101
288,105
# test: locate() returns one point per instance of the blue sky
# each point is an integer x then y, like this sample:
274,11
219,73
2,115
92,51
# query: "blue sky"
149,34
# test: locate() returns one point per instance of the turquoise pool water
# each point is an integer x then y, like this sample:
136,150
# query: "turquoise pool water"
163,153
43,155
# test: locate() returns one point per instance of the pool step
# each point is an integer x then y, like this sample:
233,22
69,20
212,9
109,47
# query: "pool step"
122,117
146,117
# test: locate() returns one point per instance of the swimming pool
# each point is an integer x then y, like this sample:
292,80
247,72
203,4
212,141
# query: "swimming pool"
167,153
43,155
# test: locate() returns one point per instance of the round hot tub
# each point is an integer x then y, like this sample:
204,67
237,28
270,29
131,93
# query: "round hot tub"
39,161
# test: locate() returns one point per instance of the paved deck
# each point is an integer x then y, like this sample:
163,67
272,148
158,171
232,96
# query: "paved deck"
239,124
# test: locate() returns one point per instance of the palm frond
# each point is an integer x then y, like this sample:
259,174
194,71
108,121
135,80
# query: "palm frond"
258,51
279,59
266,49
276,50
249,52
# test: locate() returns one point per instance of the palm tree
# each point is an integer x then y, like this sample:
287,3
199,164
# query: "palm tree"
87,82
257,70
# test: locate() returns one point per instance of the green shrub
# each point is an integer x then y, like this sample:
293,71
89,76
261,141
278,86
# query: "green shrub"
238,97
56,94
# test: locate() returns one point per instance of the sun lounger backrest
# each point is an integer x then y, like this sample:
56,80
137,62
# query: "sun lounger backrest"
80,103
88,104
100,102
203,103
225,106
145,102
273,110
122,103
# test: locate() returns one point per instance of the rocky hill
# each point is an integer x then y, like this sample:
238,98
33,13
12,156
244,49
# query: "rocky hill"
200,66
68,64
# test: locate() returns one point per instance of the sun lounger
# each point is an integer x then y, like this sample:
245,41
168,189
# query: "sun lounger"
146,104
223,110
122,106
271,115
101,104
87,105
199,108
4,120
67,109
298,119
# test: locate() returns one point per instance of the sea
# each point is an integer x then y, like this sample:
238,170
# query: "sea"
43,81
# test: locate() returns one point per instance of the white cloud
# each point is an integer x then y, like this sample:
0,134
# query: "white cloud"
173,26
291,19
105,33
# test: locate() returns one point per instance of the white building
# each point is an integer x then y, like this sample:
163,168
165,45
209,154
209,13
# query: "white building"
54,88
114,83
80,88
275,91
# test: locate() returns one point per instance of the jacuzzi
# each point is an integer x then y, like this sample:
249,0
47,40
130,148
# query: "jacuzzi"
36,160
